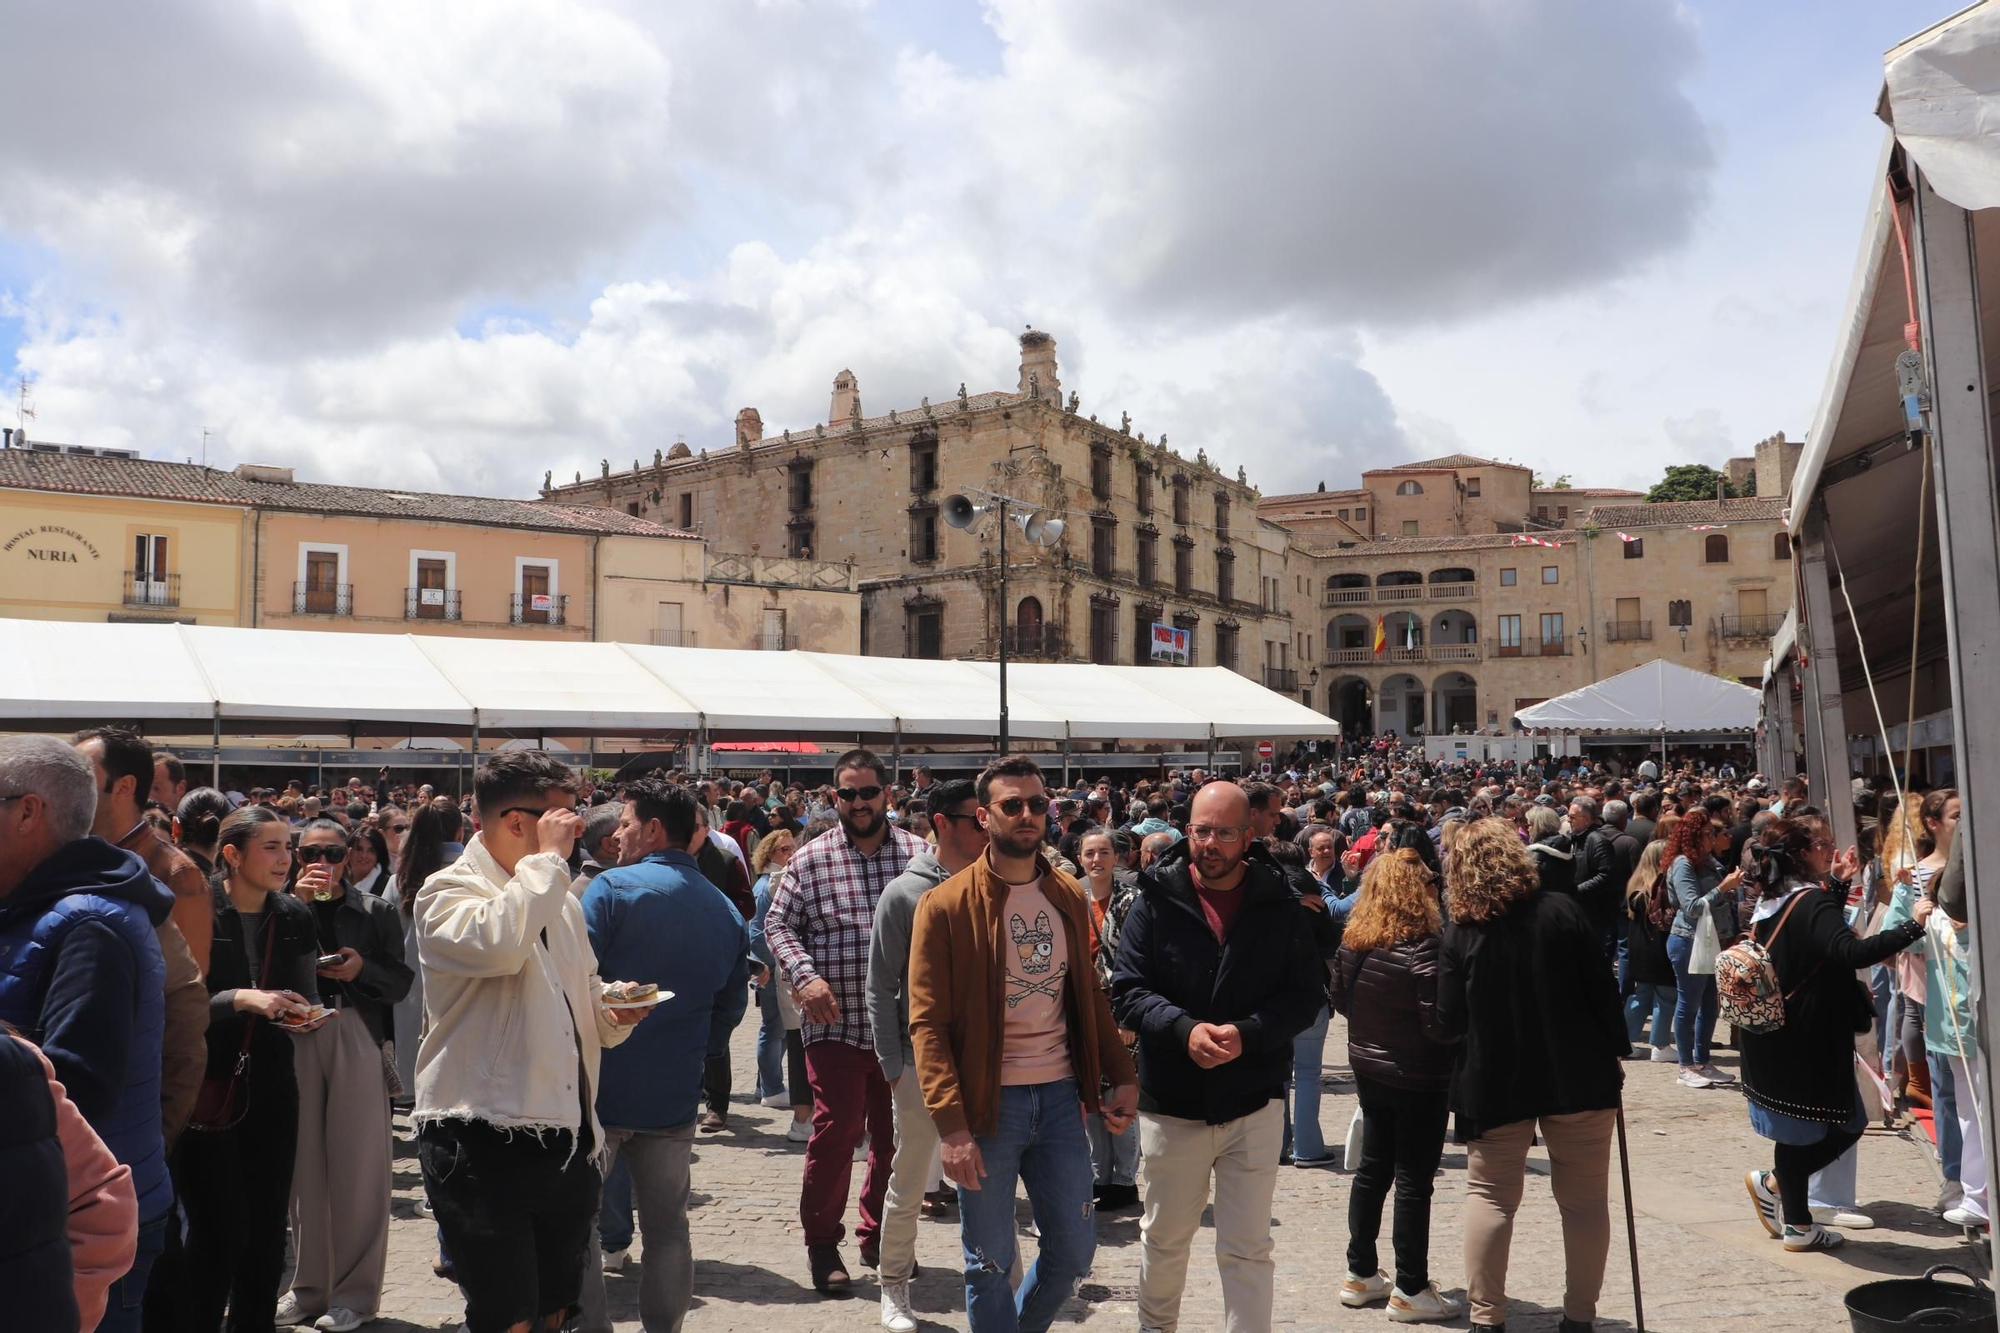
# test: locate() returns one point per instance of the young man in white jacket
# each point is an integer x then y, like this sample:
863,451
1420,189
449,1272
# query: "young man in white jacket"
507,1131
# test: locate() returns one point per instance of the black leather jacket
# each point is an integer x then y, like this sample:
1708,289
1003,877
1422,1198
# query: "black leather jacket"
1389,997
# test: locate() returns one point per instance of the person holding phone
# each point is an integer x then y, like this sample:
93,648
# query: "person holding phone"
235,1164
340,1194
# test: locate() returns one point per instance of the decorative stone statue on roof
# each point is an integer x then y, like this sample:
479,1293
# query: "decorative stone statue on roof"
964,402
1200,455
1034,385
579,478
788,436
1072,402
658,458
548,482
1242,475
819,431
927,407
1163,439
892,416
1124,423
605,464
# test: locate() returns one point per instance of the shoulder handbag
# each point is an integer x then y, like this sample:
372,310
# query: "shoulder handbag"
223,1102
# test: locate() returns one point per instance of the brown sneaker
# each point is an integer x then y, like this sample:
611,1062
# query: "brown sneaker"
829,1271
713,1122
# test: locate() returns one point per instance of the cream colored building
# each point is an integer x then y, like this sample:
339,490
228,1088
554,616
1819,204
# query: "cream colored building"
1503,608
1152,537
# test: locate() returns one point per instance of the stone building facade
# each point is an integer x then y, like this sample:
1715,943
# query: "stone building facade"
1150,537
1503,608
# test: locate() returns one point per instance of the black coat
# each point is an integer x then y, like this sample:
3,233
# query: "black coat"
1595,863
373,929
1389,997
1555,859
1646,961
1172,974
293,952
34,1242
1806,1067
1539,1013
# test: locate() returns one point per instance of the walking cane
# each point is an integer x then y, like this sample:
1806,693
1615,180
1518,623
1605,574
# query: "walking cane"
1631,1224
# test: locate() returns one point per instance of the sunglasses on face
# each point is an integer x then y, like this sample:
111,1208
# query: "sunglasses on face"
1014,805
849,795
308,855
399,828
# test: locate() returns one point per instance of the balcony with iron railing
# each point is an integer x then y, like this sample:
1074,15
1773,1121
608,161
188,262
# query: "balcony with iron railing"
1035,641
776,642
143,588
328,599
1285,680
676,638
431,604
1751,627
539,609
1627,631
1554,648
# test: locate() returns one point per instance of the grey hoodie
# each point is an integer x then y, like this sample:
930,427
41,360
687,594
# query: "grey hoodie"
889,961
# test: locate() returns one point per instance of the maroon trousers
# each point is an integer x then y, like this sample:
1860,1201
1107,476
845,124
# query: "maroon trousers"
850,1097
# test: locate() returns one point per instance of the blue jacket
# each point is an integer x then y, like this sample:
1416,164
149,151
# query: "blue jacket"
660,921
81,976
1171,973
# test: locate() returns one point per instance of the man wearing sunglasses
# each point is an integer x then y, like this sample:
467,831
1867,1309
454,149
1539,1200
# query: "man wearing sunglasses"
1013,1043
818,928
1217,972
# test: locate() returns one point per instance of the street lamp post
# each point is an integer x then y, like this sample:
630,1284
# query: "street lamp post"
961,512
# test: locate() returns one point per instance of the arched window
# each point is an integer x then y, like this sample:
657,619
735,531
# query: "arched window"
1781,547
1409,488
1715,549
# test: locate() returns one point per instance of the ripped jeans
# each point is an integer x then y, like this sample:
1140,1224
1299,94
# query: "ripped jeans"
1039,1142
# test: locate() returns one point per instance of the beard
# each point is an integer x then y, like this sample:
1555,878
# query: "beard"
1214,863
1020,842
860,821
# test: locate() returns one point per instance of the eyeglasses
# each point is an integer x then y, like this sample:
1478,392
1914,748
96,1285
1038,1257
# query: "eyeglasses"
1012,806
849,795
970,819
399,828
1215,833
308,855
16,796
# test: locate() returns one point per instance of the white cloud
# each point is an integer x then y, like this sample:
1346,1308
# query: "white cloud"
278,222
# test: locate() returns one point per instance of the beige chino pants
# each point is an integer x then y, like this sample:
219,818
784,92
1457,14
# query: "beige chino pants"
340,1182
1181,1159
913,1170
1496,1164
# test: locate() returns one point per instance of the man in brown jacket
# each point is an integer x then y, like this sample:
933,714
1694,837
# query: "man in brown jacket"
1013,1037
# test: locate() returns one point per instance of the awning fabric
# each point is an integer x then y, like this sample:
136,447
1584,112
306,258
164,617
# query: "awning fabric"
1654,698
1941,90
65,671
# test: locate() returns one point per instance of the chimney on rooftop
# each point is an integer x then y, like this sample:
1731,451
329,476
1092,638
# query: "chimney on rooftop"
846,399
264,472
1038,359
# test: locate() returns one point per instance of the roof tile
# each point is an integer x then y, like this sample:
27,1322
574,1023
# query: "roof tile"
1673,513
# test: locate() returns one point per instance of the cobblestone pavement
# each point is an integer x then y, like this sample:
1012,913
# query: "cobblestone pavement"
1705,1263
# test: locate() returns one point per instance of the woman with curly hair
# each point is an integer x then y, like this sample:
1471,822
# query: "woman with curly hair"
1522,981
1697,885
1385,981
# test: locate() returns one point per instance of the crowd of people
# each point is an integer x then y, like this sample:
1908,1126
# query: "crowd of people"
1107,996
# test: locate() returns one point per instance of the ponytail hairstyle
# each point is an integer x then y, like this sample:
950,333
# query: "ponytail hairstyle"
201,814
237,830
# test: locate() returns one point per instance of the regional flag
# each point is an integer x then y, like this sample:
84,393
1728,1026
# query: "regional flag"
1381,636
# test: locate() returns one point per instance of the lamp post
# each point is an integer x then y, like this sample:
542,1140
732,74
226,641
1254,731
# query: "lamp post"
961,512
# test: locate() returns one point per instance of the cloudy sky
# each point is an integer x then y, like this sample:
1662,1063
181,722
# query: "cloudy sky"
448,246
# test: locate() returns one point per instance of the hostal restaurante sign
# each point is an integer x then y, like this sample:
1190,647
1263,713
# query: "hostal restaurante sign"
43,545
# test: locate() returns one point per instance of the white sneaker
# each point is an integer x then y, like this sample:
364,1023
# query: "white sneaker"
1358,1291
777,1101
1962,1216
1950,1197
289,1312
614,1260
1665,1055
1691,1077
1841,1217
1814,1237
1425,1307
800,1131
338,1320
896,1313
1716,1076
1765,1200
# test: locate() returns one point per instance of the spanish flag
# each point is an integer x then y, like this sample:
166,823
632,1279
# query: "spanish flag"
1381,636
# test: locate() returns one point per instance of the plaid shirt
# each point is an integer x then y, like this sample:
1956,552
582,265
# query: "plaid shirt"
822,913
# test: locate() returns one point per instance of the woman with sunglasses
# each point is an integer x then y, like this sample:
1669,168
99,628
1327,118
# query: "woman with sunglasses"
1697,885
340,1196
234,1164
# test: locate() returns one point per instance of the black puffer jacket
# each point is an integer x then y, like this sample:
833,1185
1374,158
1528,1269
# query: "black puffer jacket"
34,1225
1555,860
1389,997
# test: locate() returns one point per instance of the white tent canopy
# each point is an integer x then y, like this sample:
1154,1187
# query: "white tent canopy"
74,671
1657,698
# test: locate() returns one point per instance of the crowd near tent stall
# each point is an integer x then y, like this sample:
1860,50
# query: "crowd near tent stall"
1892,511
183,679
1655,702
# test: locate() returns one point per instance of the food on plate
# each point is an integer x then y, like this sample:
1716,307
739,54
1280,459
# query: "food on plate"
629,992
303,1018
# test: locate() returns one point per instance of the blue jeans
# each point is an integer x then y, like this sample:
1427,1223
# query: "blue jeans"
1039,1142
770,1044
1694,1004
614,1213
1114,1158
1302,1133
1654,1000
126,1305
1944,1115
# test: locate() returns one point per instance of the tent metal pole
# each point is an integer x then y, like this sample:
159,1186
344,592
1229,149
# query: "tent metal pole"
1065,753
1826,727
896,754
1002,502
1211,748
1946,263
215,769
